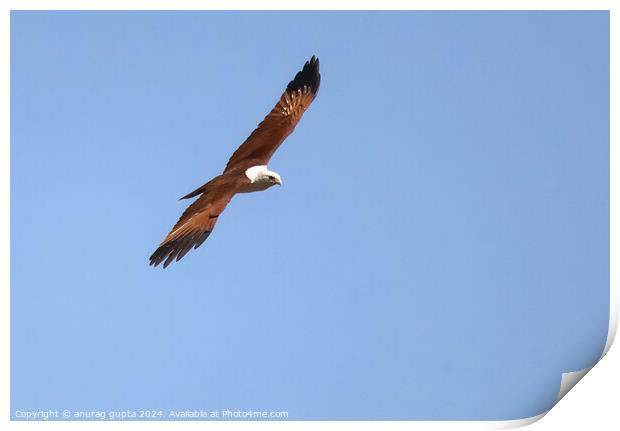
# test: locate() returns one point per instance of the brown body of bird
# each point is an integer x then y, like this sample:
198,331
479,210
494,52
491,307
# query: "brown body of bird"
246,170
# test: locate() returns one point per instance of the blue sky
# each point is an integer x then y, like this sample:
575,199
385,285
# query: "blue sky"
439,249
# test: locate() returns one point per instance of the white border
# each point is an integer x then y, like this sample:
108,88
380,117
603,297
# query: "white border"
568,379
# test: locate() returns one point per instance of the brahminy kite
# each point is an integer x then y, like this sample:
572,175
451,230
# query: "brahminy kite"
246,170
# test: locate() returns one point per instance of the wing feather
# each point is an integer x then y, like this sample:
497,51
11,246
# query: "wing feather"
198,220
258,148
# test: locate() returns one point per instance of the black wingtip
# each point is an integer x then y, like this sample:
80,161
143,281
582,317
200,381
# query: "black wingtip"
176,249
308,76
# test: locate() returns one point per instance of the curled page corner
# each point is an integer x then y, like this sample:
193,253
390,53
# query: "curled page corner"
569,380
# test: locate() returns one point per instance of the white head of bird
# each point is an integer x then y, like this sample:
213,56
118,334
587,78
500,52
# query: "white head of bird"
262,178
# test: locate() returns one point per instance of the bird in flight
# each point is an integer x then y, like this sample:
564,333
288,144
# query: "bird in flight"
246,170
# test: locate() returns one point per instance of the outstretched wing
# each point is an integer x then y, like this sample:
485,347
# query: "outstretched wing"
281,121
198,220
